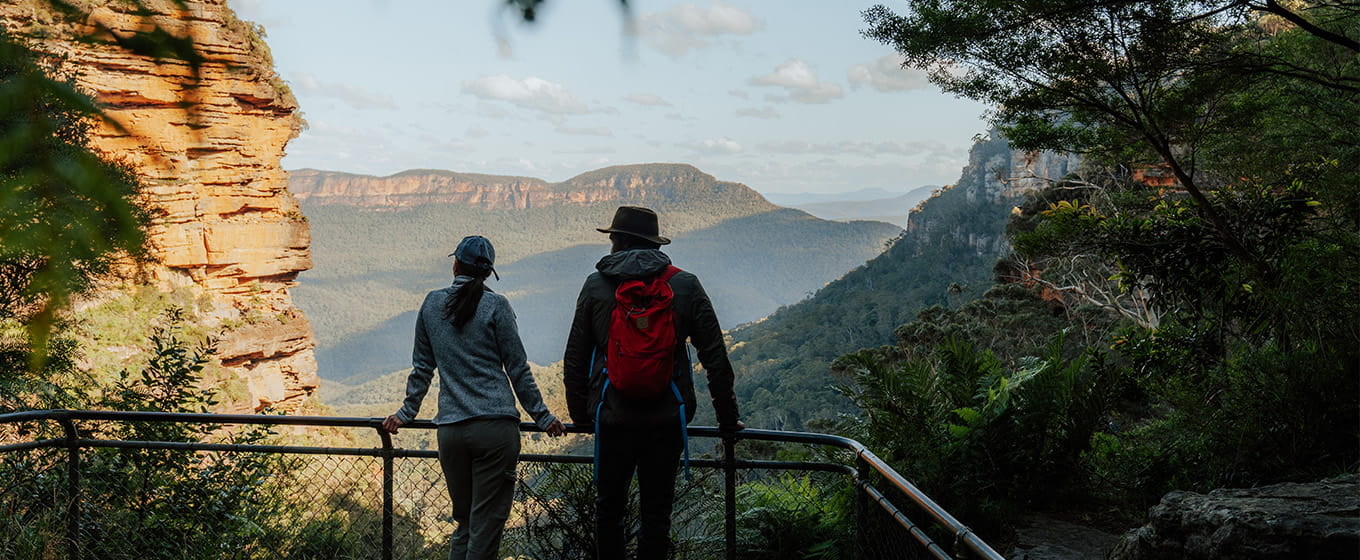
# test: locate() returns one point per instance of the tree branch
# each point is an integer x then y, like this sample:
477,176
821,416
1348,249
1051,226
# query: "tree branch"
1274,7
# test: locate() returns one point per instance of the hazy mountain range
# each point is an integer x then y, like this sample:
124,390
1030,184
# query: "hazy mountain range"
891,209
380,243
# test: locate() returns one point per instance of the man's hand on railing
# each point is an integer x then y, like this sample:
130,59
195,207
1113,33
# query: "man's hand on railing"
391,423
729,429
556,428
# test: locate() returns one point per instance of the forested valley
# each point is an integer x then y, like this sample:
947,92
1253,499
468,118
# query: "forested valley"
1177,309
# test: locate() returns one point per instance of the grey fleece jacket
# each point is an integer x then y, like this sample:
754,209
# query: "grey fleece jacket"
479,365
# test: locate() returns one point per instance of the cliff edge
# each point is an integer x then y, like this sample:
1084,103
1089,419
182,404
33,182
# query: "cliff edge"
225,225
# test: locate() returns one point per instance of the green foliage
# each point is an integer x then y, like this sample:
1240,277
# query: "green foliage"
59,383
176,504
986,437
782,362
1188,87
65,213
1262,414
1241,365
166,503
792,517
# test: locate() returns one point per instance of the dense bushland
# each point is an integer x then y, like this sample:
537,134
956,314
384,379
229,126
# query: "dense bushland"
1196,283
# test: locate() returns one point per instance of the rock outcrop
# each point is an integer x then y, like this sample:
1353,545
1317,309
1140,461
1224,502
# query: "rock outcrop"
1277,522
225,224
996,173
624,184
996,170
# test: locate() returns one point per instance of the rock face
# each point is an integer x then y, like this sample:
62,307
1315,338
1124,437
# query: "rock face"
225,225
1282,521
631,184
997,173
995,169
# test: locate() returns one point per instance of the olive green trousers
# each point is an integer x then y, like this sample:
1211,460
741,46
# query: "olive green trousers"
479,457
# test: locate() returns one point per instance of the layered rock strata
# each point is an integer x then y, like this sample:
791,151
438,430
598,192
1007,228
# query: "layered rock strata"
623,184
207,144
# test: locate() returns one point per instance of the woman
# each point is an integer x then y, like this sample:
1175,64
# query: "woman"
468,333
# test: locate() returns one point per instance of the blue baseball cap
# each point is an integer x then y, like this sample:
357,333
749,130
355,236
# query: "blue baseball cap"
475,250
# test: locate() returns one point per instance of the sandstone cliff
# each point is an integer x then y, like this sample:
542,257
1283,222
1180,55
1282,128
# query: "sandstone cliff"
624,184
996,173
996,170
226,226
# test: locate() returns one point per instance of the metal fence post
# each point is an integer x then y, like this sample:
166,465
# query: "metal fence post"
861,509
72,489
387,499
730,495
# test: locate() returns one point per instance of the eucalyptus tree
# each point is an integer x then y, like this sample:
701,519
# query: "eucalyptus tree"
1155,82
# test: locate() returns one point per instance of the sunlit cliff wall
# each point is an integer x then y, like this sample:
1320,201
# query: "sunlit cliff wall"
652,183
207,147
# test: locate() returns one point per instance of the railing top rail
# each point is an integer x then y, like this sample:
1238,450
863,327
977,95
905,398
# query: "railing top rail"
961,532
358,422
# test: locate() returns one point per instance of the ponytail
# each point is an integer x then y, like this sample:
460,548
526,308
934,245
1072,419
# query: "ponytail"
463,305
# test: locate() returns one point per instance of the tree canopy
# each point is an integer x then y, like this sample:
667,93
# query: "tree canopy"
1158,83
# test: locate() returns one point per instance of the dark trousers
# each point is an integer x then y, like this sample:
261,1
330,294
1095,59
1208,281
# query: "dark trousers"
479,458
654,454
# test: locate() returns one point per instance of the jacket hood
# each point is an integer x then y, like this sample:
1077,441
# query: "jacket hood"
633,264
462,280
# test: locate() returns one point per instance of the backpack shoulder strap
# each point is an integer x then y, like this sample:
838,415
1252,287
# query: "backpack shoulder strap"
670,272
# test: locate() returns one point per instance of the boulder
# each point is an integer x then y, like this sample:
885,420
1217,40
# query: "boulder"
1277,522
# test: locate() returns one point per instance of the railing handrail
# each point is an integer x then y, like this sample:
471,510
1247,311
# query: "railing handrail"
962,533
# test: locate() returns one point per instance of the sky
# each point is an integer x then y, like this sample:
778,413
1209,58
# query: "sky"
785,96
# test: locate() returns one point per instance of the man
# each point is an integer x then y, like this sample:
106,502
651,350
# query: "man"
640,434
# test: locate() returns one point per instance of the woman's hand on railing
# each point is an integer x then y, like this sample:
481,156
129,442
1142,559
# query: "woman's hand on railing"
554,429
391,423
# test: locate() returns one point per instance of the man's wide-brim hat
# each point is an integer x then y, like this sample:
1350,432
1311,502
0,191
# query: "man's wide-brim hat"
638,222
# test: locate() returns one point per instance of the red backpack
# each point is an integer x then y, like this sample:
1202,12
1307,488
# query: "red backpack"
640,359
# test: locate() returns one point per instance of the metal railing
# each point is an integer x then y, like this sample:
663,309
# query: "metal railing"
96,484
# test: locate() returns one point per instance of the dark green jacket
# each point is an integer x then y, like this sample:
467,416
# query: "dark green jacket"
583,364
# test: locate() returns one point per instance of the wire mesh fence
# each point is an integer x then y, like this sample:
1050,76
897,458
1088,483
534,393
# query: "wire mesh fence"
106,495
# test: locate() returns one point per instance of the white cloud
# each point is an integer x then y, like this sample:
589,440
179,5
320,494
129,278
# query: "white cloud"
476,131
308,85
738,93
585,131
887,74
722,145
647,99
761,113
801,83
530,93
689,26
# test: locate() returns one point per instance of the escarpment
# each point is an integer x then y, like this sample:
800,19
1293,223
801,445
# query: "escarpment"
206,142
645,184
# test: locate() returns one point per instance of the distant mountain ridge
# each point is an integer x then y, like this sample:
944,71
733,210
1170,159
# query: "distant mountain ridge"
380,243
800,198
950,247
640,184
892,209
